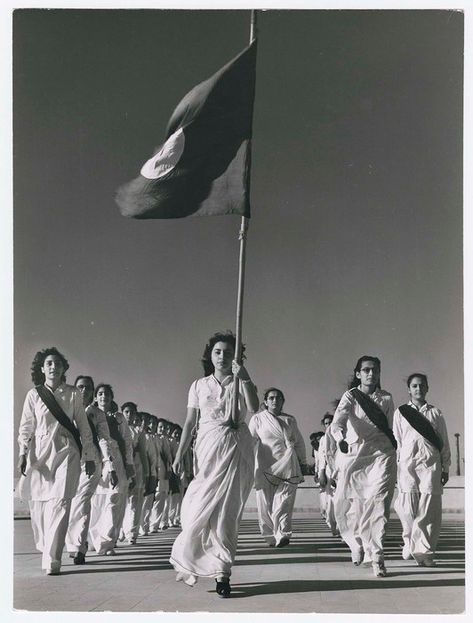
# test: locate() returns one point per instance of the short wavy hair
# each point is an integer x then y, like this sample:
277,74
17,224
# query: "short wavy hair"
37,375
229,338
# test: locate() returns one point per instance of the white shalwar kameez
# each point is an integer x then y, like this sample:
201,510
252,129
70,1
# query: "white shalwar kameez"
152,455
53,467
79,520
157,516
327,455
367,477
212,507
155,460
108,504
321,490
420,466
279,451
134,503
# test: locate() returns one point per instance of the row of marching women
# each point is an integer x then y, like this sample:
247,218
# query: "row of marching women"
367,449
93,475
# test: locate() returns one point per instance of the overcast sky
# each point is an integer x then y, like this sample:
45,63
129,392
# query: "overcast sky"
355,241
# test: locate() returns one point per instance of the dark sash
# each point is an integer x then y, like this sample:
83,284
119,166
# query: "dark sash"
375,415
58,413
116,435
95,437
421,425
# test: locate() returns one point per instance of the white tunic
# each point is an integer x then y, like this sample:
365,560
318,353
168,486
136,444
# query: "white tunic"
53,456
420,464
213,504
369,468
327,454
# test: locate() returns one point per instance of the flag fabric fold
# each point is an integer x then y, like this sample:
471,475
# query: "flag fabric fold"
203,167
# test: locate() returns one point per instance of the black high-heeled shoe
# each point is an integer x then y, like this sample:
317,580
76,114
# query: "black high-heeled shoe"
223,589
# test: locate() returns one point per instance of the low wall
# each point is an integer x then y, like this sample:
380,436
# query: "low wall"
307,498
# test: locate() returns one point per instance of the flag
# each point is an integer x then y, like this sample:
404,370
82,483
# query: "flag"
203,167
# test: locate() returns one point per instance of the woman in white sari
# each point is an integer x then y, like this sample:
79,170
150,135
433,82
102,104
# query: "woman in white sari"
280,451
213,504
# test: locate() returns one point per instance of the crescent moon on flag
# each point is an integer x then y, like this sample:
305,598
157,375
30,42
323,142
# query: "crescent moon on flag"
166,158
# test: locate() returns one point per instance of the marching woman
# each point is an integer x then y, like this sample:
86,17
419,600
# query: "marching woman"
50,453
150,426
328,473
134,504
362,428
76,539
108,501
213,504
423,464
158,516
280,451
172,510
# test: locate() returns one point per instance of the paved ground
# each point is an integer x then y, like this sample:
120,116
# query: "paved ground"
313,574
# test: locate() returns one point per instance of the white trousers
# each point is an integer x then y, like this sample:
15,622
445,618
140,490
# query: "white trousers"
106,519
79,520
323,502
362,524
49,520
421,519
173,505
330,518
146,513
131,520
275,506
157,515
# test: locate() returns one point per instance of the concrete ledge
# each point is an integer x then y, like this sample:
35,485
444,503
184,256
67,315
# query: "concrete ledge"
308,500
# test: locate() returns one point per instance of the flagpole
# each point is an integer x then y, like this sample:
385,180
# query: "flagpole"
241,274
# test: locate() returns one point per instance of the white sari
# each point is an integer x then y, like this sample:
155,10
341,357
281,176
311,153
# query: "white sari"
212,507
279,451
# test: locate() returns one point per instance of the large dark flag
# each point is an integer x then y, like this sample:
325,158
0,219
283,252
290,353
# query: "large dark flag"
203,167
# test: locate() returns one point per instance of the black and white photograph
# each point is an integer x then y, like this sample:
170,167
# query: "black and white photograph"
237,325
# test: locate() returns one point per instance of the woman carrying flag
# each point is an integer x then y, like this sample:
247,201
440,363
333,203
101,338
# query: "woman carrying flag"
424,461
213,504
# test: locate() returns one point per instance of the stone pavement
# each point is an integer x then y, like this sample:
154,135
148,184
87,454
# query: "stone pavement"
313,574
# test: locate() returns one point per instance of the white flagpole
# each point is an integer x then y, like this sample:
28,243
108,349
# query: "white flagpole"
241,273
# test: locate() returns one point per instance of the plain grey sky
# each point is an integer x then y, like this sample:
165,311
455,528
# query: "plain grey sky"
355,243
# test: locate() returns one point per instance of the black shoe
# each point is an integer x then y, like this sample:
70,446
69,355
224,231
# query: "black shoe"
223,588
79,559
283,542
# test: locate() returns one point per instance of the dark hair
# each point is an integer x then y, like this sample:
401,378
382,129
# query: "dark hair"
326,416
227,337
84,376
130,405
356,381
421,375
36,375
106,386
272,389
318,435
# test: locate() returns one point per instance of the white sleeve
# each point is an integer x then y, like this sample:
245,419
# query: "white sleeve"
27,423
299,445
80,418
340,418
193,398
445,454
